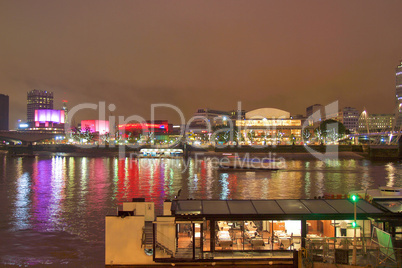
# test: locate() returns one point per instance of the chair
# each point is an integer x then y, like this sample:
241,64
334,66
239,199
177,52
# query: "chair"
285,243
292,246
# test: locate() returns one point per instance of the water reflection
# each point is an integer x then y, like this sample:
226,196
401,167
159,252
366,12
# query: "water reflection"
70,196
390,168
22,203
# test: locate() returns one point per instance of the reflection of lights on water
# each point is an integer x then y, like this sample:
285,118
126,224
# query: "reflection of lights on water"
57,186
22,202
250,175
71,168
115,175
195,182
390,168
307,183
351,163
126,174
224,183
332,163
297,164
84,175
319,164
210,178
320,184
307,164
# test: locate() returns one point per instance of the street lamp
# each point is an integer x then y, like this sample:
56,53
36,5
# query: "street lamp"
354,199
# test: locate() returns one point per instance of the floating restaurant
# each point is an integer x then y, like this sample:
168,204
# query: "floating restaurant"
275,231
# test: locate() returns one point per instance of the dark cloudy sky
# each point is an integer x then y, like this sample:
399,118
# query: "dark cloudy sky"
193,54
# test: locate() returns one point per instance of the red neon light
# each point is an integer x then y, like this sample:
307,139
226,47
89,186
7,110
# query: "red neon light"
146,125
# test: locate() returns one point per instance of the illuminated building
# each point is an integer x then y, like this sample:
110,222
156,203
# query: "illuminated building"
398,85
203,117
157,126
4,112
375,122
95,126
158,131
48,121
269,125
351,119
22,126
38,100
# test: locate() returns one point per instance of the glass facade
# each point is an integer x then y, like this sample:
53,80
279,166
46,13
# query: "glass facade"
259,229
231,239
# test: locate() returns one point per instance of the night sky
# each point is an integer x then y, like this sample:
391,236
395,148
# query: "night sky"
199,54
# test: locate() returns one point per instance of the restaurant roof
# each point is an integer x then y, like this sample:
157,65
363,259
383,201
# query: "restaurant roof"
273,207
392,205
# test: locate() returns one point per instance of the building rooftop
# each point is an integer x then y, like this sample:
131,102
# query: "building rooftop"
306,208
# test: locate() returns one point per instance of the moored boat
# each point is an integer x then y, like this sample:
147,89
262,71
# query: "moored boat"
161,153
381,193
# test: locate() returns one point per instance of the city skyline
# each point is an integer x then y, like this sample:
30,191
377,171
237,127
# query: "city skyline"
286,55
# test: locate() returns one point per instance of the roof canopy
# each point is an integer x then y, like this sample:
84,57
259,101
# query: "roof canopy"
267,113
273,208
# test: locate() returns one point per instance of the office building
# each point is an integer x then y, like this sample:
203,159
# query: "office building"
351,119
398,85
38,100
375,123
4,112
205,118
314,108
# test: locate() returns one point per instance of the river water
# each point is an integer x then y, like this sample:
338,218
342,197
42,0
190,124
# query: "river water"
53,207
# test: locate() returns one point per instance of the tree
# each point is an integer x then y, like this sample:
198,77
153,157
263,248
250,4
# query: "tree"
225,134
332,130
292,139
318,134
306,134
88,135
251,135
279,136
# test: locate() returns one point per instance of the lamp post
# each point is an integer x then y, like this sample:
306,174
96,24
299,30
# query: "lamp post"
354,198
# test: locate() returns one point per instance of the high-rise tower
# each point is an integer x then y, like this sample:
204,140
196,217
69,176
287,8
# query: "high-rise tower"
4,112
398,84
38,100
65,108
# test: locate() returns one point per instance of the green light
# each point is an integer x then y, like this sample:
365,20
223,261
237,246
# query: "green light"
354,224
354,198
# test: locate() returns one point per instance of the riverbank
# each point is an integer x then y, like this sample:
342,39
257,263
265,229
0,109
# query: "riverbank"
287,152
284,155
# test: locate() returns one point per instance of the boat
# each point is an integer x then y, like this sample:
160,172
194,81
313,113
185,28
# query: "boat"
381,193
247,164
160,153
